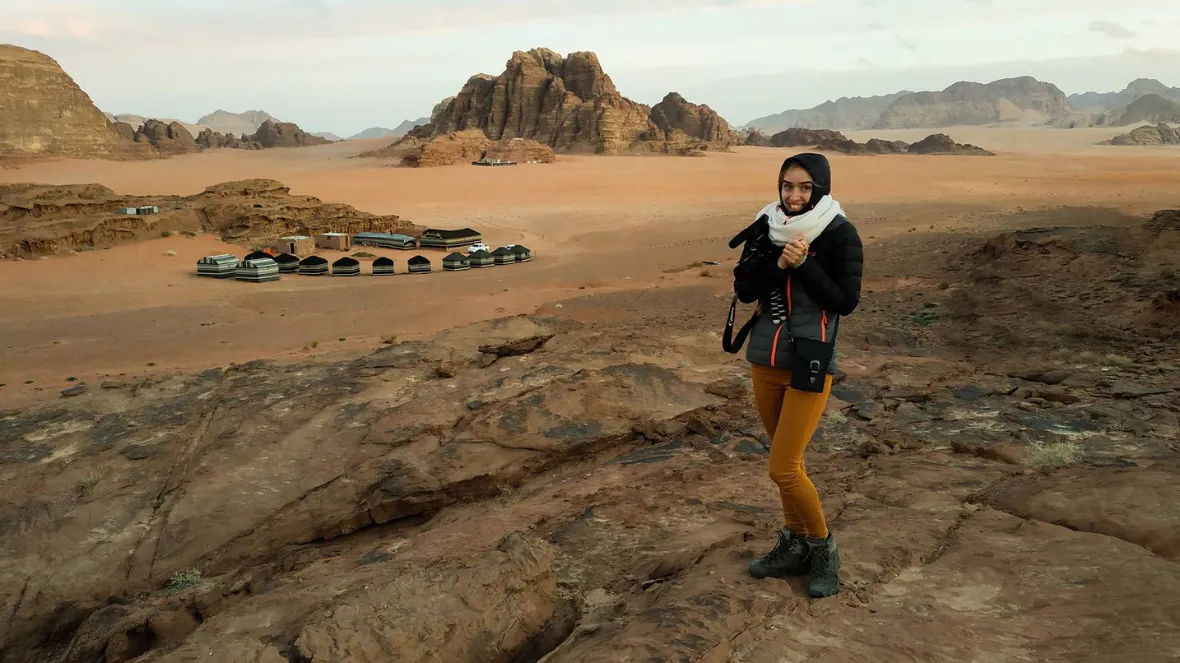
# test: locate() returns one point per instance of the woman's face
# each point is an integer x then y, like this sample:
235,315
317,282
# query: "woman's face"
795,189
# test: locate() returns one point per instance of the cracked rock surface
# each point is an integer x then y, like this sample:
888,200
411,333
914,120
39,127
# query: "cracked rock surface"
595,492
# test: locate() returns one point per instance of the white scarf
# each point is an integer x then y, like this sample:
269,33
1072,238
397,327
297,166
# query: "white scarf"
811,223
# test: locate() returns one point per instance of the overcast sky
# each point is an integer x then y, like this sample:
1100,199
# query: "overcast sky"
345,65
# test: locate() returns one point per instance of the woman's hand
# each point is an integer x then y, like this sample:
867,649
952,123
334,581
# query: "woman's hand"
794,252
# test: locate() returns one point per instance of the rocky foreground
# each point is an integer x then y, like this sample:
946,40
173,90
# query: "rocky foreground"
999,463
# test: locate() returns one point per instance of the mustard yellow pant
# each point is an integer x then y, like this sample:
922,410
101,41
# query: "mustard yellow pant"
791,417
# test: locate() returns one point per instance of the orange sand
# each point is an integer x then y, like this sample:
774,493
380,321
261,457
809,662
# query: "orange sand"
594,223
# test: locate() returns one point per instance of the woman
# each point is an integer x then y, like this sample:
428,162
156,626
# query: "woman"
815,280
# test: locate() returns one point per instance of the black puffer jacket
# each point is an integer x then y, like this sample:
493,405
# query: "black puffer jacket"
812,297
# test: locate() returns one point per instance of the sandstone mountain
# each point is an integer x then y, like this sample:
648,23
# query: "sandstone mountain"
43,111
376,132
463,147
407,125
285,134
843,113
1160,134
137,121
1150,108
327,135
570,104
170,138
225,122
1005,100
834,141
1097,101
38,220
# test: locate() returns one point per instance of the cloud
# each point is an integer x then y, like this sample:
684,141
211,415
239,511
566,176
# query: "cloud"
1111,29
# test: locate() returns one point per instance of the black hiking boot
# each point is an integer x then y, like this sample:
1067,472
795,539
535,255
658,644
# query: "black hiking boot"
787,558
824,558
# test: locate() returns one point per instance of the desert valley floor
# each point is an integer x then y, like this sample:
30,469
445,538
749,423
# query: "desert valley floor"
556,461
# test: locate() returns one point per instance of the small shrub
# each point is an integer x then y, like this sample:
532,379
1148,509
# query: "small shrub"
389,339
169,252
182,580
944,285
1053,455
836,416
364,254
1119,361
705,273
189,234
315,344
87,483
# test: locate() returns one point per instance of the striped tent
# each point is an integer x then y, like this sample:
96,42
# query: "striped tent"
522,253
385,240
481,258
288,263
383,266
313,266
418,264
346,267
455,262
260,270
220,266
503,256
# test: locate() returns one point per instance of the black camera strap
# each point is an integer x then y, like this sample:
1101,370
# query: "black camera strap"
728,343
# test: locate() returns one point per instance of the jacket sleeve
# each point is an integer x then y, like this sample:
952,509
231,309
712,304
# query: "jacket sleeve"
836,288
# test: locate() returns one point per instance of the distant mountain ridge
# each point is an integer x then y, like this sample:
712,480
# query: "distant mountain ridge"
1136,89
843,113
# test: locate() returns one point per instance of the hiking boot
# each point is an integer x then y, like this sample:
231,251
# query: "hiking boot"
787,558
824,558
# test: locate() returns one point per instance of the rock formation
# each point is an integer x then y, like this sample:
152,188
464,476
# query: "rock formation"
1151,108
834,141
125,131
1160,134
1008,99
463,147
210,140
571,105
696,121
37,220
540,488
43,111
843,113
137,121
285,134
168,138
225,122
1099,101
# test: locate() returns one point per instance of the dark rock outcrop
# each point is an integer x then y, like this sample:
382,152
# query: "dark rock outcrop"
285,134
170,138
1160,134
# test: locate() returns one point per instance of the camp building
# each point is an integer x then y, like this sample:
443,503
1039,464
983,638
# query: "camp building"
300,245
455,262
259,270
418,264
385,240
313,266
481,258
220,266
448,239
383,266
346,267
334,241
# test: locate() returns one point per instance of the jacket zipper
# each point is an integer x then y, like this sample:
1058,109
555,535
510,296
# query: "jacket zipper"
777,332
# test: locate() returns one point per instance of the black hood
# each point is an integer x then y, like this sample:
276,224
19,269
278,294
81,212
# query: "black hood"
817,166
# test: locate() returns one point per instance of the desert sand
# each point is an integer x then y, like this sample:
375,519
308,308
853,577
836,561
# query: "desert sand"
554,461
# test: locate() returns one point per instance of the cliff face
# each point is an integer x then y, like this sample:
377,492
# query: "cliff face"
1137,88
1008,99
1160,134
170,138
842,113
571,105
43,111
1150,108
285,134
225,122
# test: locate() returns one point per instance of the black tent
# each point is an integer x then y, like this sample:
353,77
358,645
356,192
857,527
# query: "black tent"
346,267
481,258
313,266
522,253
383,266
418,264
503,256
288,262
448,239
258,255
455,262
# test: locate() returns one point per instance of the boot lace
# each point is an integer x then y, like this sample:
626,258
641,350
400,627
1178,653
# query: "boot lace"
779,551
821,560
